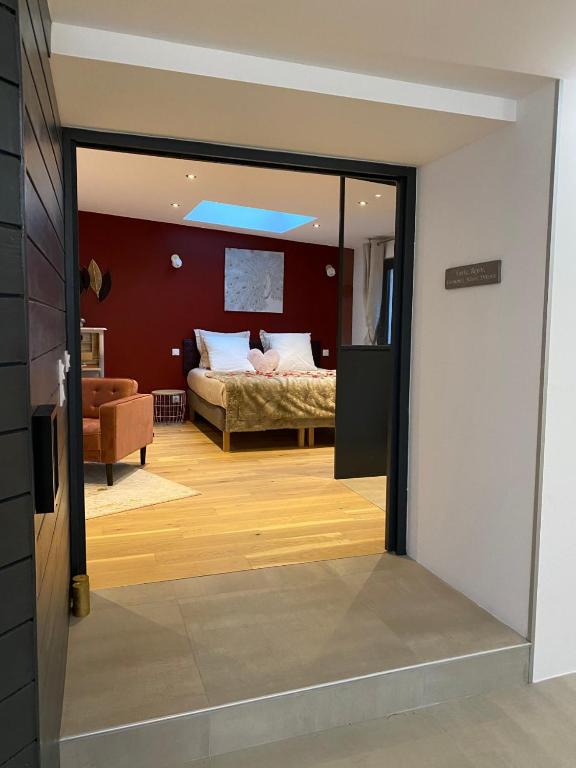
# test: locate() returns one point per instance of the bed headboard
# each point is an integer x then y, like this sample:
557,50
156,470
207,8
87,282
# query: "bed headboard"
191,353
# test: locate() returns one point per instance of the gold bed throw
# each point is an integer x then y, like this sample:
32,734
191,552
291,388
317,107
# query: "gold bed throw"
290,399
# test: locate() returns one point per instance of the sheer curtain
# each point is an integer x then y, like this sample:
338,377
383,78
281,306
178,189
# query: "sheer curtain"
375,251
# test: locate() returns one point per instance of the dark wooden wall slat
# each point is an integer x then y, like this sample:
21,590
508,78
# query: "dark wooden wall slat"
16,581
10,124
16,728
8,47
15,477
46,23
11,268
17,667
14,398
9,189
47,328
26,758
42,130
39,228
32,34
33,58
44,283
16,517
13,337
38,172
43,386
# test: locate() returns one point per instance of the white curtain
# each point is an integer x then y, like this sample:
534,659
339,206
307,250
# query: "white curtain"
375,251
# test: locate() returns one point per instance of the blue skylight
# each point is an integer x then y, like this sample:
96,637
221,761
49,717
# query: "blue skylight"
244,217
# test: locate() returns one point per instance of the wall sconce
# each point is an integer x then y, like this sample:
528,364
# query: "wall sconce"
176,261
330,271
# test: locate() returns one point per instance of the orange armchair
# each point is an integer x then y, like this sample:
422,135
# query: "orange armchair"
116,421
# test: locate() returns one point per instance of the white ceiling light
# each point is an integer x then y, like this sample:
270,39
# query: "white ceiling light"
191,176
316,225
362,202
378,195
175,205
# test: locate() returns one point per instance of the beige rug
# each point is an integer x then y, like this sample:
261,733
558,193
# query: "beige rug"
133,488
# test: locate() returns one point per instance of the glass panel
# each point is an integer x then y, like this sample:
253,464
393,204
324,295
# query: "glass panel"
368,263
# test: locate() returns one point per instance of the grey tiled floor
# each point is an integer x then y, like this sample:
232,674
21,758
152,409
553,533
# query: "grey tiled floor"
528,727
153,650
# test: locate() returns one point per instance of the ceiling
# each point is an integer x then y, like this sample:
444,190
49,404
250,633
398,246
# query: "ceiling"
109,96
471,50
144,187
491,46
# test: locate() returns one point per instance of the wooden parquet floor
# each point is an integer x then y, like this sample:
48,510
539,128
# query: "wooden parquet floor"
265,503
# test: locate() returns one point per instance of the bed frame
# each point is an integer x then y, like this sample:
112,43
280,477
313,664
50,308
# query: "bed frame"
216,414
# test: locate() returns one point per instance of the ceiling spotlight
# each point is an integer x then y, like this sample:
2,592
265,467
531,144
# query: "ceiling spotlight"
191,176
175,205
316,225
362,202
378,195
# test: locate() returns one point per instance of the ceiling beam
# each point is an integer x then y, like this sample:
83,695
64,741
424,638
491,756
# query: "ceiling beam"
102,45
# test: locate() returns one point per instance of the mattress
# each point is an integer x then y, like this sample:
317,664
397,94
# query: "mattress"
211,390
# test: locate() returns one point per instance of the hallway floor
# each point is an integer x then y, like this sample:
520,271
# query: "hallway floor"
528,727
158,649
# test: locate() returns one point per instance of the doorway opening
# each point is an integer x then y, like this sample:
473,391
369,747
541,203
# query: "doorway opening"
247,465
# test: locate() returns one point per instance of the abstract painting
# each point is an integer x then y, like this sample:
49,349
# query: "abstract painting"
253,281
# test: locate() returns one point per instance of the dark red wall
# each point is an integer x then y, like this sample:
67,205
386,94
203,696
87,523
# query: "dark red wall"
153,306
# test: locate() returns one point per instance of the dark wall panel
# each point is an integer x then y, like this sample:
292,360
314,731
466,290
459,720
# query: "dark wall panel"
18,661
16,580
16,525
9,47
10,123
15,726
11,267
9,189
44,283
13,341
17,651
15,470
14,399
34,550
47,329
44,227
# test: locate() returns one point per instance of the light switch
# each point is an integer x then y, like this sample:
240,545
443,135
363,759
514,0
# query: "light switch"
325,353
175,352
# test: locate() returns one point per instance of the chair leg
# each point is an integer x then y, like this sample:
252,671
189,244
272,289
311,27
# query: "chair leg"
226,441
301,437
110,474
311,437
143,455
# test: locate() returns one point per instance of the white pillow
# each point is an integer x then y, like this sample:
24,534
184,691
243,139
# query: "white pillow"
295,350
228,352
199,333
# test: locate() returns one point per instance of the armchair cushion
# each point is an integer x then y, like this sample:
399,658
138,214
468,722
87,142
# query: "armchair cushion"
97,391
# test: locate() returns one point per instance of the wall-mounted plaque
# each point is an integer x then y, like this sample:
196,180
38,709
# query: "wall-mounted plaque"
485,273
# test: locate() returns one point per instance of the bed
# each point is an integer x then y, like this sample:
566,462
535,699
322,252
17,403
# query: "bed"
252,402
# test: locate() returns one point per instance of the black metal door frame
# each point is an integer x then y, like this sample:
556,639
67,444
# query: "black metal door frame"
404,177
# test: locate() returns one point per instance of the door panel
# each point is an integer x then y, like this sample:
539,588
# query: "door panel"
365,368
363,395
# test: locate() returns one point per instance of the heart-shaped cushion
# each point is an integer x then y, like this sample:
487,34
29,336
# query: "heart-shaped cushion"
264,362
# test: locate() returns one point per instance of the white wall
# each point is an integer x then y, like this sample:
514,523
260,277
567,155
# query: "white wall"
555,607
477,360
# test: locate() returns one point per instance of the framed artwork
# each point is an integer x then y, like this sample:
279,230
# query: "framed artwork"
253,281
